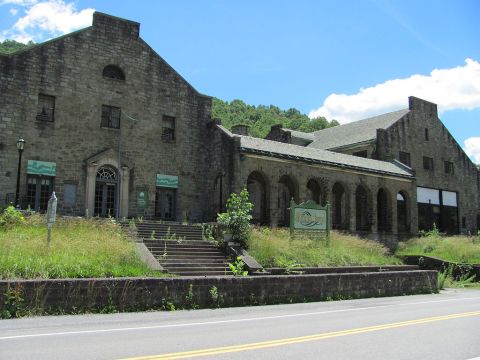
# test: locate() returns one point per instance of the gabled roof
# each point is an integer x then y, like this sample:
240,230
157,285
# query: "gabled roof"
301,135
355,132
288,151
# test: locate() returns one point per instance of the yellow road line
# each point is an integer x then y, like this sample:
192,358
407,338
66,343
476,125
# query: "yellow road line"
301,339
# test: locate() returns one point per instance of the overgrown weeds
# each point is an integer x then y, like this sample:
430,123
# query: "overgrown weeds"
80,248
273,248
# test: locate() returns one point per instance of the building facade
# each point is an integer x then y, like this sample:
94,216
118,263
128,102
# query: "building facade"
114,130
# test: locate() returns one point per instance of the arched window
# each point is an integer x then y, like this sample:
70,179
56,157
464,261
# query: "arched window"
106,173
113,72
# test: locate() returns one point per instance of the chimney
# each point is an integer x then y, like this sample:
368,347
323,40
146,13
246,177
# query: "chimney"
421,105
113,25
240,129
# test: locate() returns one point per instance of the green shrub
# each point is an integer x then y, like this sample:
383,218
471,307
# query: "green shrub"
10,218
238,216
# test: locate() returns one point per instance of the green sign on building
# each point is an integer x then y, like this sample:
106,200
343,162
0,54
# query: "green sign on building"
167,181
309,216
41,168
142,199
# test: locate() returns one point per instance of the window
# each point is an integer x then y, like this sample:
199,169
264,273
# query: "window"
113,72
168,128
110,117
39,190
404,158
69,194
360,153
449,167
428,163
426,134
46,107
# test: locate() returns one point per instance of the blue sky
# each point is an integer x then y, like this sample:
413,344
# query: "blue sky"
341,59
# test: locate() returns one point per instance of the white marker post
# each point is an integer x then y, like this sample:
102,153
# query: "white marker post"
51,214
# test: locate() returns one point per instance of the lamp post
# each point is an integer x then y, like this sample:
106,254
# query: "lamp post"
20,146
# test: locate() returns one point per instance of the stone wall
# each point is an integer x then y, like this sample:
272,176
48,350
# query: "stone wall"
70,69
74,295
408,135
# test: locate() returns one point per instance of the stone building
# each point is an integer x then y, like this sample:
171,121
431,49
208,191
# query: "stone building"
114,130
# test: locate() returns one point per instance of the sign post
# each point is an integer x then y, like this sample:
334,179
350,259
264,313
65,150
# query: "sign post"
51,214
309,217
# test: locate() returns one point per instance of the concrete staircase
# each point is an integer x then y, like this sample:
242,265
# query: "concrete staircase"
181,250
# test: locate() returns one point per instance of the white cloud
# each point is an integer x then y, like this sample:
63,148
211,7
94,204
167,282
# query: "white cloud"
46,19
13,12
18,2
454,88
472,148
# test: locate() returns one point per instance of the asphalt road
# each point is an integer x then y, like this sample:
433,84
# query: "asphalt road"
443,326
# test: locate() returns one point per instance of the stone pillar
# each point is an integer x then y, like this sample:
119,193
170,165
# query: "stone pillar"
394,211
353,211
124,193
374,211
90,189
273,203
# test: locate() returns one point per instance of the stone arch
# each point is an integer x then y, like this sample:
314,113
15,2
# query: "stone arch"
403,216
362,208
316,191
108,158
113,72
258,189
384,211
106,191
339,206
287,189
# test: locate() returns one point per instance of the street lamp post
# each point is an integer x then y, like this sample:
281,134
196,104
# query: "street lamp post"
20,146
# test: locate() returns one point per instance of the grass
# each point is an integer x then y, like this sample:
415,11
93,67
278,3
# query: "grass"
79,248
273,248
460,249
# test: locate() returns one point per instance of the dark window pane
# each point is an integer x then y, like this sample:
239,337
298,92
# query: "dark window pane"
168,128
428,163
113,72
45,108
404,158
110,117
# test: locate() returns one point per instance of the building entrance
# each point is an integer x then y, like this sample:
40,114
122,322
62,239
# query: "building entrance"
165,203
106,192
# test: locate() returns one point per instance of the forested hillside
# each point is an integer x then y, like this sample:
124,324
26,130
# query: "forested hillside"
10,46
260,118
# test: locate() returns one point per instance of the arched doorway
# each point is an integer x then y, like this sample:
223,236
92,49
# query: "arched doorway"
257,189
383,211
314,190
362,209
402,212
106,192
339,207
218,196
286,191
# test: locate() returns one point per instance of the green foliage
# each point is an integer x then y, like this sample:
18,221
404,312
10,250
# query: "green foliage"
237,267
260,118
273,248
238,216
79,248
13,305
189,298
10,218
215,297
458,249
11,46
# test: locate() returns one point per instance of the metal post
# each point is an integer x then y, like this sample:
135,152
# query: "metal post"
17,193
51,214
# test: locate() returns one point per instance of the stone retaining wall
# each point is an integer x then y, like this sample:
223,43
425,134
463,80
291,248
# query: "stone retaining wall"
127,294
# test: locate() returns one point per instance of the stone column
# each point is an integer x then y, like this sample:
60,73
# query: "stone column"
394,212
273,203
90,189
124,193
353,211
374,211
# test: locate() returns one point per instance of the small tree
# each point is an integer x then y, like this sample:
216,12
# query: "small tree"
238,216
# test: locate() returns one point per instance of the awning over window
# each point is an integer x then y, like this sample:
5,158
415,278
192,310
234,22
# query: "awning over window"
36,167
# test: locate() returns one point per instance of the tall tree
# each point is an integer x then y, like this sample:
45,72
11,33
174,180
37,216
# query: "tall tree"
11,46
260,118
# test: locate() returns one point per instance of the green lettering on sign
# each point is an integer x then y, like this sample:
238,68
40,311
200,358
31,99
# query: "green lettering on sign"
168,181
41,168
